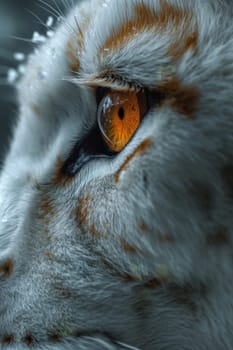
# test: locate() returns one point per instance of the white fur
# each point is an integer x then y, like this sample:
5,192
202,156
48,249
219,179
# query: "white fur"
54,115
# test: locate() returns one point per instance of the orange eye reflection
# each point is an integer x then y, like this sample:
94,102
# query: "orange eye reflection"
119,116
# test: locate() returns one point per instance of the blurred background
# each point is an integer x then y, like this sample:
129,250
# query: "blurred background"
19,18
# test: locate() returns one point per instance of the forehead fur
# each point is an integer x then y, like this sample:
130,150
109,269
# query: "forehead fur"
145,18
144,41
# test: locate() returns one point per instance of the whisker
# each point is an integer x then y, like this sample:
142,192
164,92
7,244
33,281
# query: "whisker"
67,4
62,15
58,8
20,39
50,12
50,9
64,4
38,18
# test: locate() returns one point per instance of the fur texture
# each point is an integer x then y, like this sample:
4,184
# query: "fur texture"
132,251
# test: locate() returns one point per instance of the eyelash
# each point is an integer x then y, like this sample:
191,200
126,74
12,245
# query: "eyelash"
119,83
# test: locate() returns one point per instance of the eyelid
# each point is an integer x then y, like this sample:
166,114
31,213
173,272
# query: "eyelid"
102,90
108,80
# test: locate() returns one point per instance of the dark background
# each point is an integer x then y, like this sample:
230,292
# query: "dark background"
16,19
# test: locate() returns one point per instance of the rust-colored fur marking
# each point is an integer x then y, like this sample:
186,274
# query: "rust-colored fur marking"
54,338
188,41
64,292
7,339
169,18
127,247
82,211
153,283
46,210
59,178
166,238
50,255
29,339
143,226
75,48
94,233
123,276
184,99
46,206
185,295
140,149
126,277
71,54
7,268
202,194
220,237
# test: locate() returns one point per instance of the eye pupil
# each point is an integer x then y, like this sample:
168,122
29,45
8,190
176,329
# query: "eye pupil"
121,113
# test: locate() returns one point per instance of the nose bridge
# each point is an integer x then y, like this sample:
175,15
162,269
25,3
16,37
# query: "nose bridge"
16,215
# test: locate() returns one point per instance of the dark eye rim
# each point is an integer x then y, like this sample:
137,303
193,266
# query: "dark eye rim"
100,92
90,147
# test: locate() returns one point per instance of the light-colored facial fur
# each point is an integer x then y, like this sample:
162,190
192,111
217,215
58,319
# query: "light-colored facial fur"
135,249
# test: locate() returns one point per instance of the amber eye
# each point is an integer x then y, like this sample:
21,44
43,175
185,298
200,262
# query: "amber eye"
119,115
